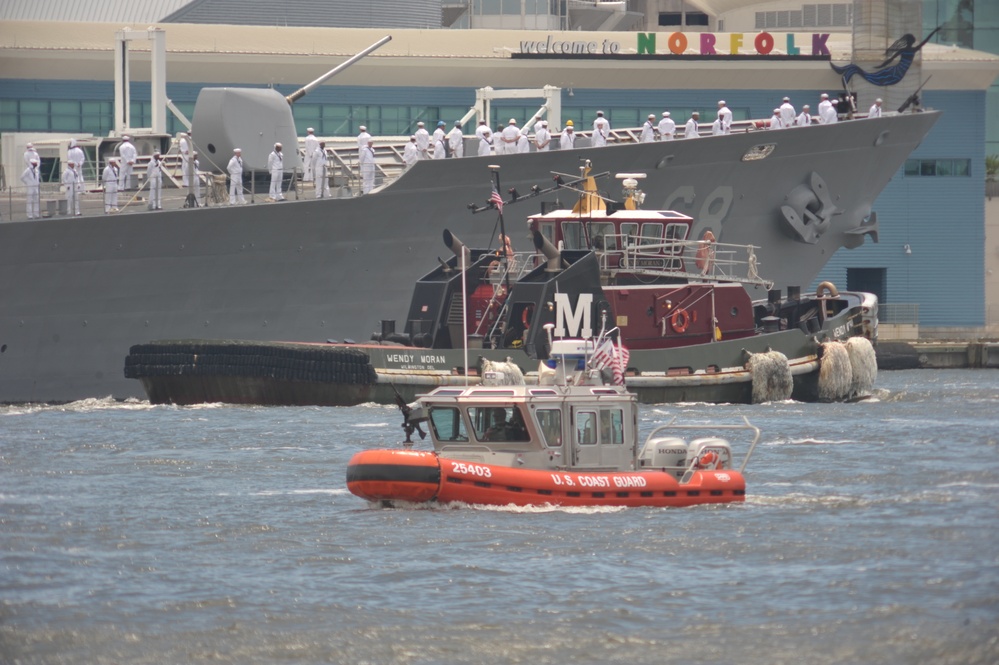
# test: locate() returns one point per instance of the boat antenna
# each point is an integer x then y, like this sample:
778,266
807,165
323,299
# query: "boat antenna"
464,314
499,206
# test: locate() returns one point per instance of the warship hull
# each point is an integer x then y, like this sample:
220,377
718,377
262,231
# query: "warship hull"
79,292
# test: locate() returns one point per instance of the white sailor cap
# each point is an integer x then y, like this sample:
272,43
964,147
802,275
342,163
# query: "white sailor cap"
806,106
651,116
126,137
277,145
237,150
776,111
310,130
824,95
600,112
878,100
721,102
665,114
544,123
695,113
30,145
787,99
363,128
513,121
413,137
419,124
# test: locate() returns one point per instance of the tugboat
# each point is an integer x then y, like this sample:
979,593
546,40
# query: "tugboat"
571,440
682,306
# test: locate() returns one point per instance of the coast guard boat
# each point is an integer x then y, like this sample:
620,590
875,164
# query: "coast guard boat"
572,440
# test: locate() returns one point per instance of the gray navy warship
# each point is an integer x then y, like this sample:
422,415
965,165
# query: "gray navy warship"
79,292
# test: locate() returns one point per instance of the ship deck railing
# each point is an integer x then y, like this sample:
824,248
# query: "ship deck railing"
692,260
343,171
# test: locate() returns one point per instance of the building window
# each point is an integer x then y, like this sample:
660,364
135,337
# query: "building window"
824,15
670,18
697,18
937,167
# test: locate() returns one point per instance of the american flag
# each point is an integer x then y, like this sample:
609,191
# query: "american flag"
615,357
496,200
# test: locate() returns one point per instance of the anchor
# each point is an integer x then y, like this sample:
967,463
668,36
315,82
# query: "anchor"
809,210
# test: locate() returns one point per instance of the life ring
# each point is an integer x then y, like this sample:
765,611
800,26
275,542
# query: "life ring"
827,286
680,320
707,460
526,315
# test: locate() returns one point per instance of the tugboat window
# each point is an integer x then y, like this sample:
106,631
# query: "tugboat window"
572,235
652,234
447,424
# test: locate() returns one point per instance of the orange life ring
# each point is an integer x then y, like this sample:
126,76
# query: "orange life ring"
680,320
526,315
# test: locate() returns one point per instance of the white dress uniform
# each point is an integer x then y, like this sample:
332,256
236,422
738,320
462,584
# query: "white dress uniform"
567,139
776,122
456,141
423,141
440,152
275,164
235,169
667,127
601,128
32,180
648,134
154,176
319,164
73,183
875,111
78,157
128,153
804,118
725,118
411,153
110,179
827,112
543,138
507,143
311,145
787,113
367,169
184,146
31,154
690,130
485,142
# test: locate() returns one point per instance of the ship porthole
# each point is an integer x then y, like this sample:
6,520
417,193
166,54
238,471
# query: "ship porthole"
211,148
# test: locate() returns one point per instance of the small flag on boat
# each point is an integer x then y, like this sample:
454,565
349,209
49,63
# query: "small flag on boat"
496,200
614,356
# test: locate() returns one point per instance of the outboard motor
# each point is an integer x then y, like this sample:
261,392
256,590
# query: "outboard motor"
665,452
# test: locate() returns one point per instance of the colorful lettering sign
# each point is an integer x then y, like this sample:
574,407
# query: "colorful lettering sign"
679,43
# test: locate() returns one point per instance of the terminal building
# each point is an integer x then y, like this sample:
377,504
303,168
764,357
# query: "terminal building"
938,252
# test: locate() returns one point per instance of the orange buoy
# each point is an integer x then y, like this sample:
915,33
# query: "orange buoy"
680,320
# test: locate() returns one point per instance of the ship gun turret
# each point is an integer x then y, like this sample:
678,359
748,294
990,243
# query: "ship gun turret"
253,120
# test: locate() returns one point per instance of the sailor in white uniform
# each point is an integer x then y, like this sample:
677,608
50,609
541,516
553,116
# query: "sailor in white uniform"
787,113
368,167
411,154
523,142
311,145
319,164
362,138
184,147
690,130
485,141
542,137
827,111
72,182
31,154
667,127
481,128
601,130
875,111
78,157
235,169
507,145
275,165
724,117
110,179
776,122
804,118
32,180
440,151
422,140
154,176
648,134
567,139
127,153
456,141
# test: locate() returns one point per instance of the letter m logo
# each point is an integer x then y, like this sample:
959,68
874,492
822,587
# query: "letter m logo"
573,322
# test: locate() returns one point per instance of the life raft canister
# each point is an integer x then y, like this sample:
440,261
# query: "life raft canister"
680,320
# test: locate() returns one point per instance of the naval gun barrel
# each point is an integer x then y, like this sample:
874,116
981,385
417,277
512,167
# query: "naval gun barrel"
303,91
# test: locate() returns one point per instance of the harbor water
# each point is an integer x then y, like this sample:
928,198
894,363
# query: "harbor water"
132,533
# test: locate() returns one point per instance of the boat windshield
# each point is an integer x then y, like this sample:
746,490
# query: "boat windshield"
498,423
447,424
